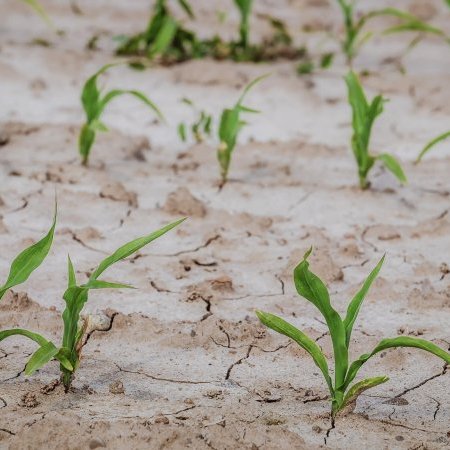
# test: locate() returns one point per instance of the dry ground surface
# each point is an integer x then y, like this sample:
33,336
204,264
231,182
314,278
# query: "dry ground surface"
182,362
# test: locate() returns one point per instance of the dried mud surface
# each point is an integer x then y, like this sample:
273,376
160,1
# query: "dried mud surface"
182,362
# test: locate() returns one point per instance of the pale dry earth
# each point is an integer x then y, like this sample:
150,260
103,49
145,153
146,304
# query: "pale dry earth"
182,362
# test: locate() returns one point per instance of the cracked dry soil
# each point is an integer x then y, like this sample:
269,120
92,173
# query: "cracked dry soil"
182,362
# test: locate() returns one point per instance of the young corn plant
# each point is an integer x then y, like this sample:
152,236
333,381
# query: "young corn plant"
229,128
342,391
354,25
442,137
201,128
364,115
94,104
164,37
76,295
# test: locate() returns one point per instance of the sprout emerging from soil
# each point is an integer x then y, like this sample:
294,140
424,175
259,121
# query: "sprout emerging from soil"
354,25
200,128
75,297
94,104
342,393
364,115
229,128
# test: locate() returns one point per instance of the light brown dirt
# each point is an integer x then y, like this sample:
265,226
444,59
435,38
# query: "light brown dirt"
182,362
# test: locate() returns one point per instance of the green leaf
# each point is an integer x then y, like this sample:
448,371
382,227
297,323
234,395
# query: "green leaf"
139,95
358,388
187,8
130,248
393,166
432,143
100,284
63,356
401,341
20,332
311,287
29,260
164,38
281,326
40,357
71,277
182,132
355,304
85,142
250,86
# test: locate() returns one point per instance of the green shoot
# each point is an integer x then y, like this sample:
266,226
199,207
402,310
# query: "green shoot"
94,104
245,9
432,143
200,128
229,128
75,297
354,25
164,36
364,115
342,392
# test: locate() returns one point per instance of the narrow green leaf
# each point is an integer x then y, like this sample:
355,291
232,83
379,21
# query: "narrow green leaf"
29,260
40,357
182,131
85,141
20,332
432,143
164,37
250,86
130,248
187,8
100,284
139,95
281,326
63,356
311,287
71,277
393,166
401,341
358,388
355,304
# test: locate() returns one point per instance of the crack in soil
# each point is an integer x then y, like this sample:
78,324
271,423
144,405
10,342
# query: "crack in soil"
169,380
8,431
160,289
15,376
83,244
196,249
332,427
442,372
105,330
209,313
438,407
239,361
4,403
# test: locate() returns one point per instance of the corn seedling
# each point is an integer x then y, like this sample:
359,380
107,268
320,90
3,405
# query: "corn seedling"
229,127
75,297
342,391
94,104
200,128
432,143
364,115
354,26
164,37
